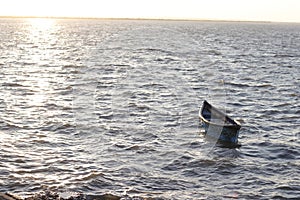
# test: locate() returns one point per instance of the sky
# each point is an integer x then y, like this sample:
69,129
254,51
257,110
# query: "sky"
238,10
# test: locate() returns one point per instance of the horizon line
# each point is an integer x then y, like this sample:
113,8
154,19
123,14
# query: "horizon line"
141,18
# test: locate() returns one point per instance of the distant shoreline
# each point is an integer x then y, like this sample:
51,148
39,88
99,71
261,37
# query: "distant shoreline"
141,19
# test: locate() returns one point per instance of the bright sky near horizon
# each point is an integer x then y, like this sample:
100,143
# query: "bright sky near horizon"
248,10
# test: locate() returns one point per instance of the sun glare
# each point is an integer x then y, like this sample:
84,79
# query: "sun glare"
41,23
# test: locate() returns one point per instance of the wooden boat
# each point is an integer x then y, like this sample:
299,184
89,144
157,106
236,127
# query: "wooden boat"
218,125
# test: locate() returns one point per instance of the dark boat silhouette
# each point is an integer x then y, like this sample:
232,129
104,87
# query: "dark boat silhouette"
218,125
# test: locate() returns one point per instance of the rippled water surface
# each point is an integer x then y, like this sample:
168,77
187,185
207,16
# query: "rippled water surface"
98,106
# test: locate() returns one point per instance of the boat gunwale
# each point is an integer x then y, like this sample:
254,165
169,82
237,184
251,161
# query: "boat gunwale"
234,123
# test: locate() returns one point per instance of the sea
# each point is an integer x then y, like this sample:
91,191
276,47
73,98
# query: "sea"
103,106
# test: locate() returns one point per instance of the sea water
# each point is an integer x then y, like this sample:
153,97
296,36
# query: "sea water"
111,106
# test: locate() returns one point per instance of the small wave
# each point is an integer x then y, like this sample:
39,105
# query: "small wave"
10,126
239,85
295,94
186,162
214,52
12,85
107,116
90,176
245,85
48,194
57,127
165,60
263,85
285,56
287,187
155,50
71,66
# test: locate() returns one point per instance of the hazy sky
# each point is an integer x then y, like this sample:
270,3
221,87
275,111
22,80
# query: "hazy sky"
256,10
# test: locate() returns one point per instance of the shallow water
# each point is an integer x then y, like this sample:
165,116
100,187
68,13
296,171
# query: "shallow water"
99,106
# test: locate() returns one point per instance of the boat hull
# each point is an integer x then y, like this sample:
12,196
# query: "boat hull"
218,125
224,134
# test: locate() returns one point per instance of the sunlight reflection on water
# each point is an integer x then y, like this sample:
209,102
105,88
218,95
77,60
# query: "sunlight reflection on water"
112,107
